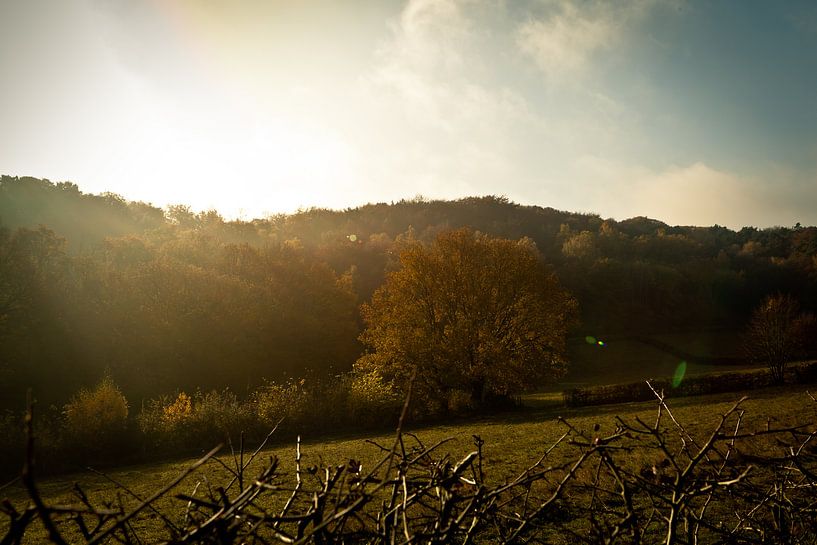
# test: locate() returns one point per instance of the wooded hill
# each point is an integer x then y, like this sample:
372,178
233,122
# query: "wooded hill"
169,299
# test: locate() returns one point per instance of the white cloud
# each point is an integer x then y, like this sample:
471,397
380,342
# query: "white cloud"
456,124
449,125
430,34
563,42
696,194
700,195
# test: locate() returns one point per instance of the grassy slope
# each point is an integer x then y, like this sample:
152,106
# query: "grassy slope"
623,360
512,441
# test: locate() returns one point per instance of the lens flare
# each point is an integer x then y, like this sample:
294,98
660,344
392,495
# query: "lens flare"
590,339
678,377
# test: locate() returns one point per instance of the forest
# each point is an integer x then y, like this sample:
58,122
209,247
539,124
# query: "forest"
173,300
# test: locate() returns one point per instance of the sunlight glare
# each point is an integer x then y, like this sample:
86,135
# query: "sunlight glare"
680,371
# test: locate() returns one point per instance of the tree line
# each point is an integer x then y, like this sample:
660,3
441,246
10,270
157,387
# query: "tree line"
174,299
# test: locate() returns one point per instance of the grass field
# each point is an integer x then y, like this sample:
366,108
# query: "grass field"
620,359
512,441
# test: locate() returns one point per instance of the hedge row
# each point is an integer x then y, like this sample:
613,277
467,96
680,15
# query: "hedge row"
707,384
99,427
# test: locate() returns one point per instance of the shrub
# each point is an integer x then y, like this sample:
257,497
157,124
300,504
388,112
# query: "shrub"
217,416
372,400
96,419
273,402
179,410
194,422
151,421
639,391
328,404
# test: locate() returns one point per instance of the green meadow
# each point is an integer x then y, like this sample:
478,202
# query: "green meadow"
513,441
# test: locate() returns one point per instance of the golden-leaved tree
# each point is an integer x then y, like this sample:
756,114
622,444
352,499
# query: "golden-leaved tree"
477,316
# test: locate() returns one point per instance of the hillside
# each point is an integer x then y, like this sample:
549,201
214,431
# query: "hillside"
170,299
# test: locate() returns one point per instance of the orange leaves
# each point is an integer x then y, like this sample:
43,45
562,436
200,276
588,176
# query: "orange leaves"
473,313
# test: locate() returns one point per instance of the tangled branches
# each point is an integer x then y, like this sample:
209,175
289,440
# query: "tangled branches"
639,482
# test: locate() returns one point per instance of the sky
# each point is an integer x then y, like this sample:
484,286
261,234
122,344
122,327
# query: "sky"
694,113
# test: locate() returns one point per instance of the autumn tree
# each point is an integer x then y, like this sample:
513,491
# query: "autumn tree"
777,333
472,314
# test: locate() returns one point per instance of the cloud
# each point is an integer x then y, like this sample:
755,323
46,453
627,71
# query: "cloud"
701,195
698,194
457,115
449,124
430,34
563,42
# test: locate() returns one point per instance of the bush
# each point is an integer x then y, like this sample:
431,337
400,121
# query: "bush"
96,421
373,401
194,422
347,400
328,404
639,391
273,402
178,411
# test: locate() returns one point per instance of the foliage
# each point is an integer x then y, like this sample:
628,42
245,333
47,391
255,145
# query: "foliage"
716,383
777,333
180,299
190,423
639,391
34,296
178,411
187,423
372,400
83,218
468,312
275,402
97,412
96,420
350,400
